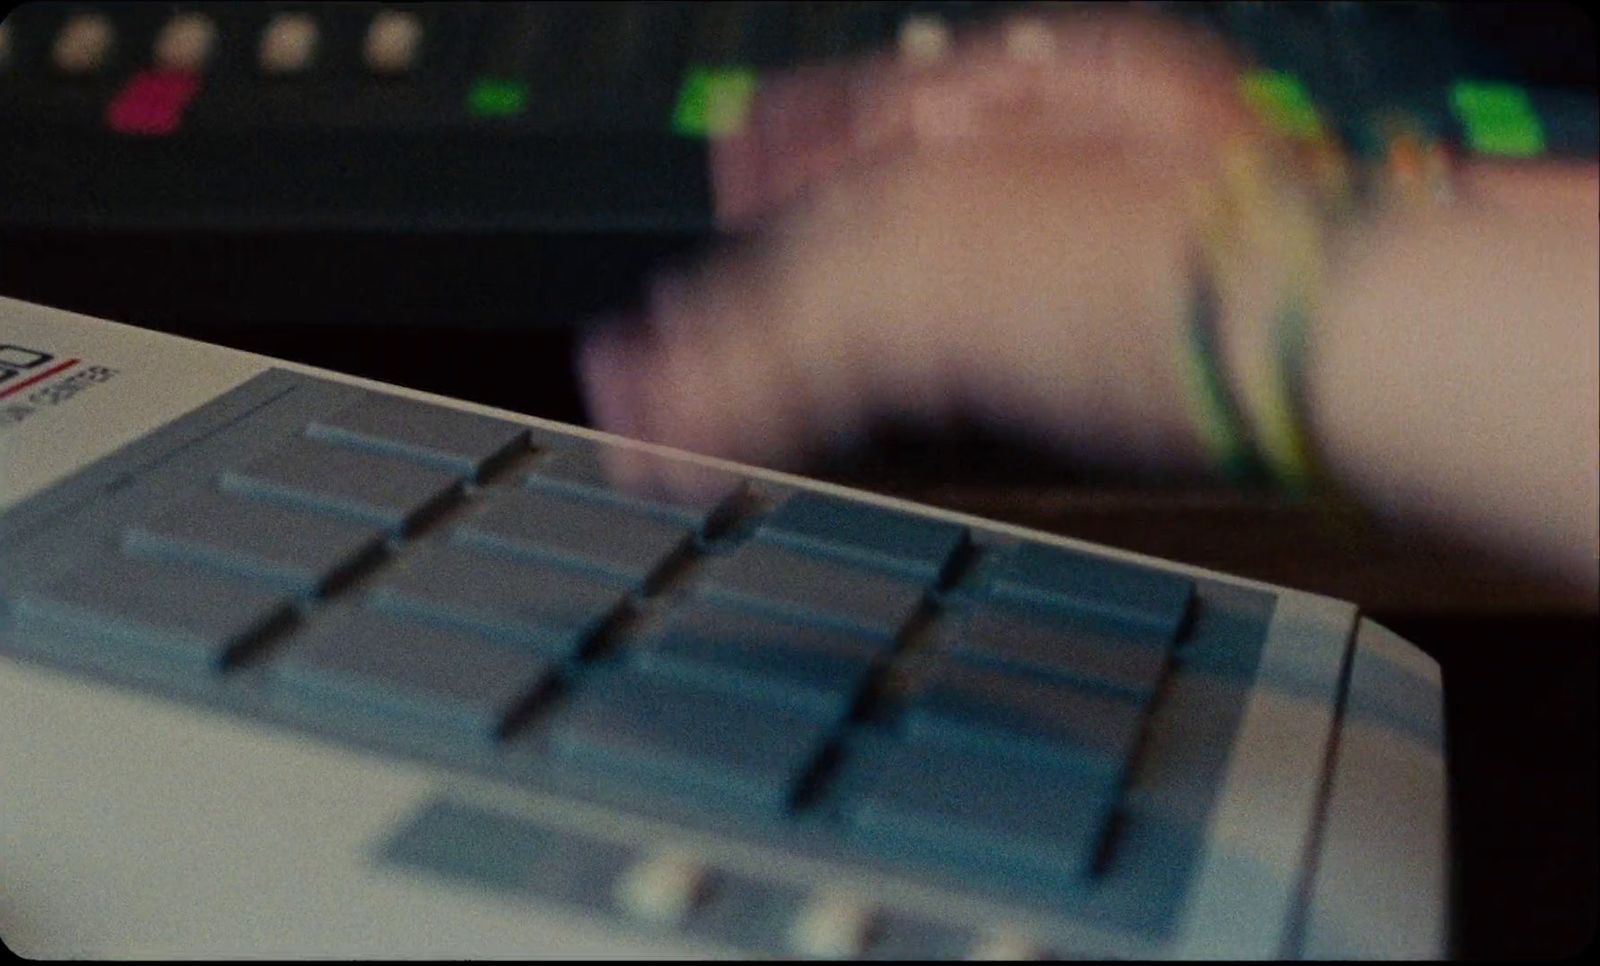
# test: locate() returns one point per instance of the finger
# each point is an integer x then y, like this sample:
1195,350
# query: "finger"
801,121
1063,80
607,360
1080,77
1035,302
797,132
725,380
736,170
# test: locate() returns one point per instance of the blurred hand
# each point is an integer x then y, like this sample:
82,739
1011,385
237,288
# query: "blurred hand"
1003,234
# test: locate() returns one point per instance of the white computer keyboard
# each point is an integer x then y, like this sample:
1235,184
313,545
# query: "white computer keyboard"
297,664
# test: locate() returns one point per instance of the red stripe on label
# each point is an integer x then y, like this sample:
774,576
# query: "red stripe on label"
41,377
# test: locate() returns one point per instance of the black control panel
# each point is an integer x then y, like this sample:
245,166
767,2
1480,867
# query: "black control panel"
587,116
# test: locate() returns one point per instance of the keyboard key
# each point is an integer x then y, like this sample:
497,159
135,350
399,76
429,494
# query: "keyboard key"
714,102
491,97
866,534
585,472
186,42
577,532
924,39
1046,645
1003,714
187,616
1497,119
906,937
390,493
289,44
84,44
663,888
552,609
805,668
975,812
1115,594
287,549
392,42
834,926
1283,103
506,853
824,591
152,103
1008,947
466,443
698,742
447,681
1029,40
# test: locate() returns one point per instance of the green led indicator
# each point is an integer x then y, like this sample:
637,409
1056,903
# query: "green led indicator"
498,98
1498,119
1282,102
713,101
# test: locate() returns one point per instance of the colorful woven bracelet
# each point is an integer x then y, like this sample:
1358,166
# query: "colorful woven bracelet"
1222,426
1254,421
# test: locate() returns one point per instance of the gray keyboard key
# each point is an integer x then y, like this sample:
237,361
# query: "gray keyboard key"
507,853
1045,644
871,535
974,812
1001,714
187,616
791,583
463,442
583,471
692,741
803,667
546,607
290,549
570,530
390,493
1117,595
442,679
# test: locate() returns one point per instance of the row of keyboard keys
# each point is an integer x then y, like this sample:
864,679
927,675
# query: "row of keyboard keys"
461,442
917,546
1009,753
383,460
320,477
89,42
692,740
634,480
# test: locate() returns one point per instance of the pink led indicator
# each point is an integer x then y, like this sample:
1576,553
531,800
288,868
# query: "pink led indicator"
152,103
